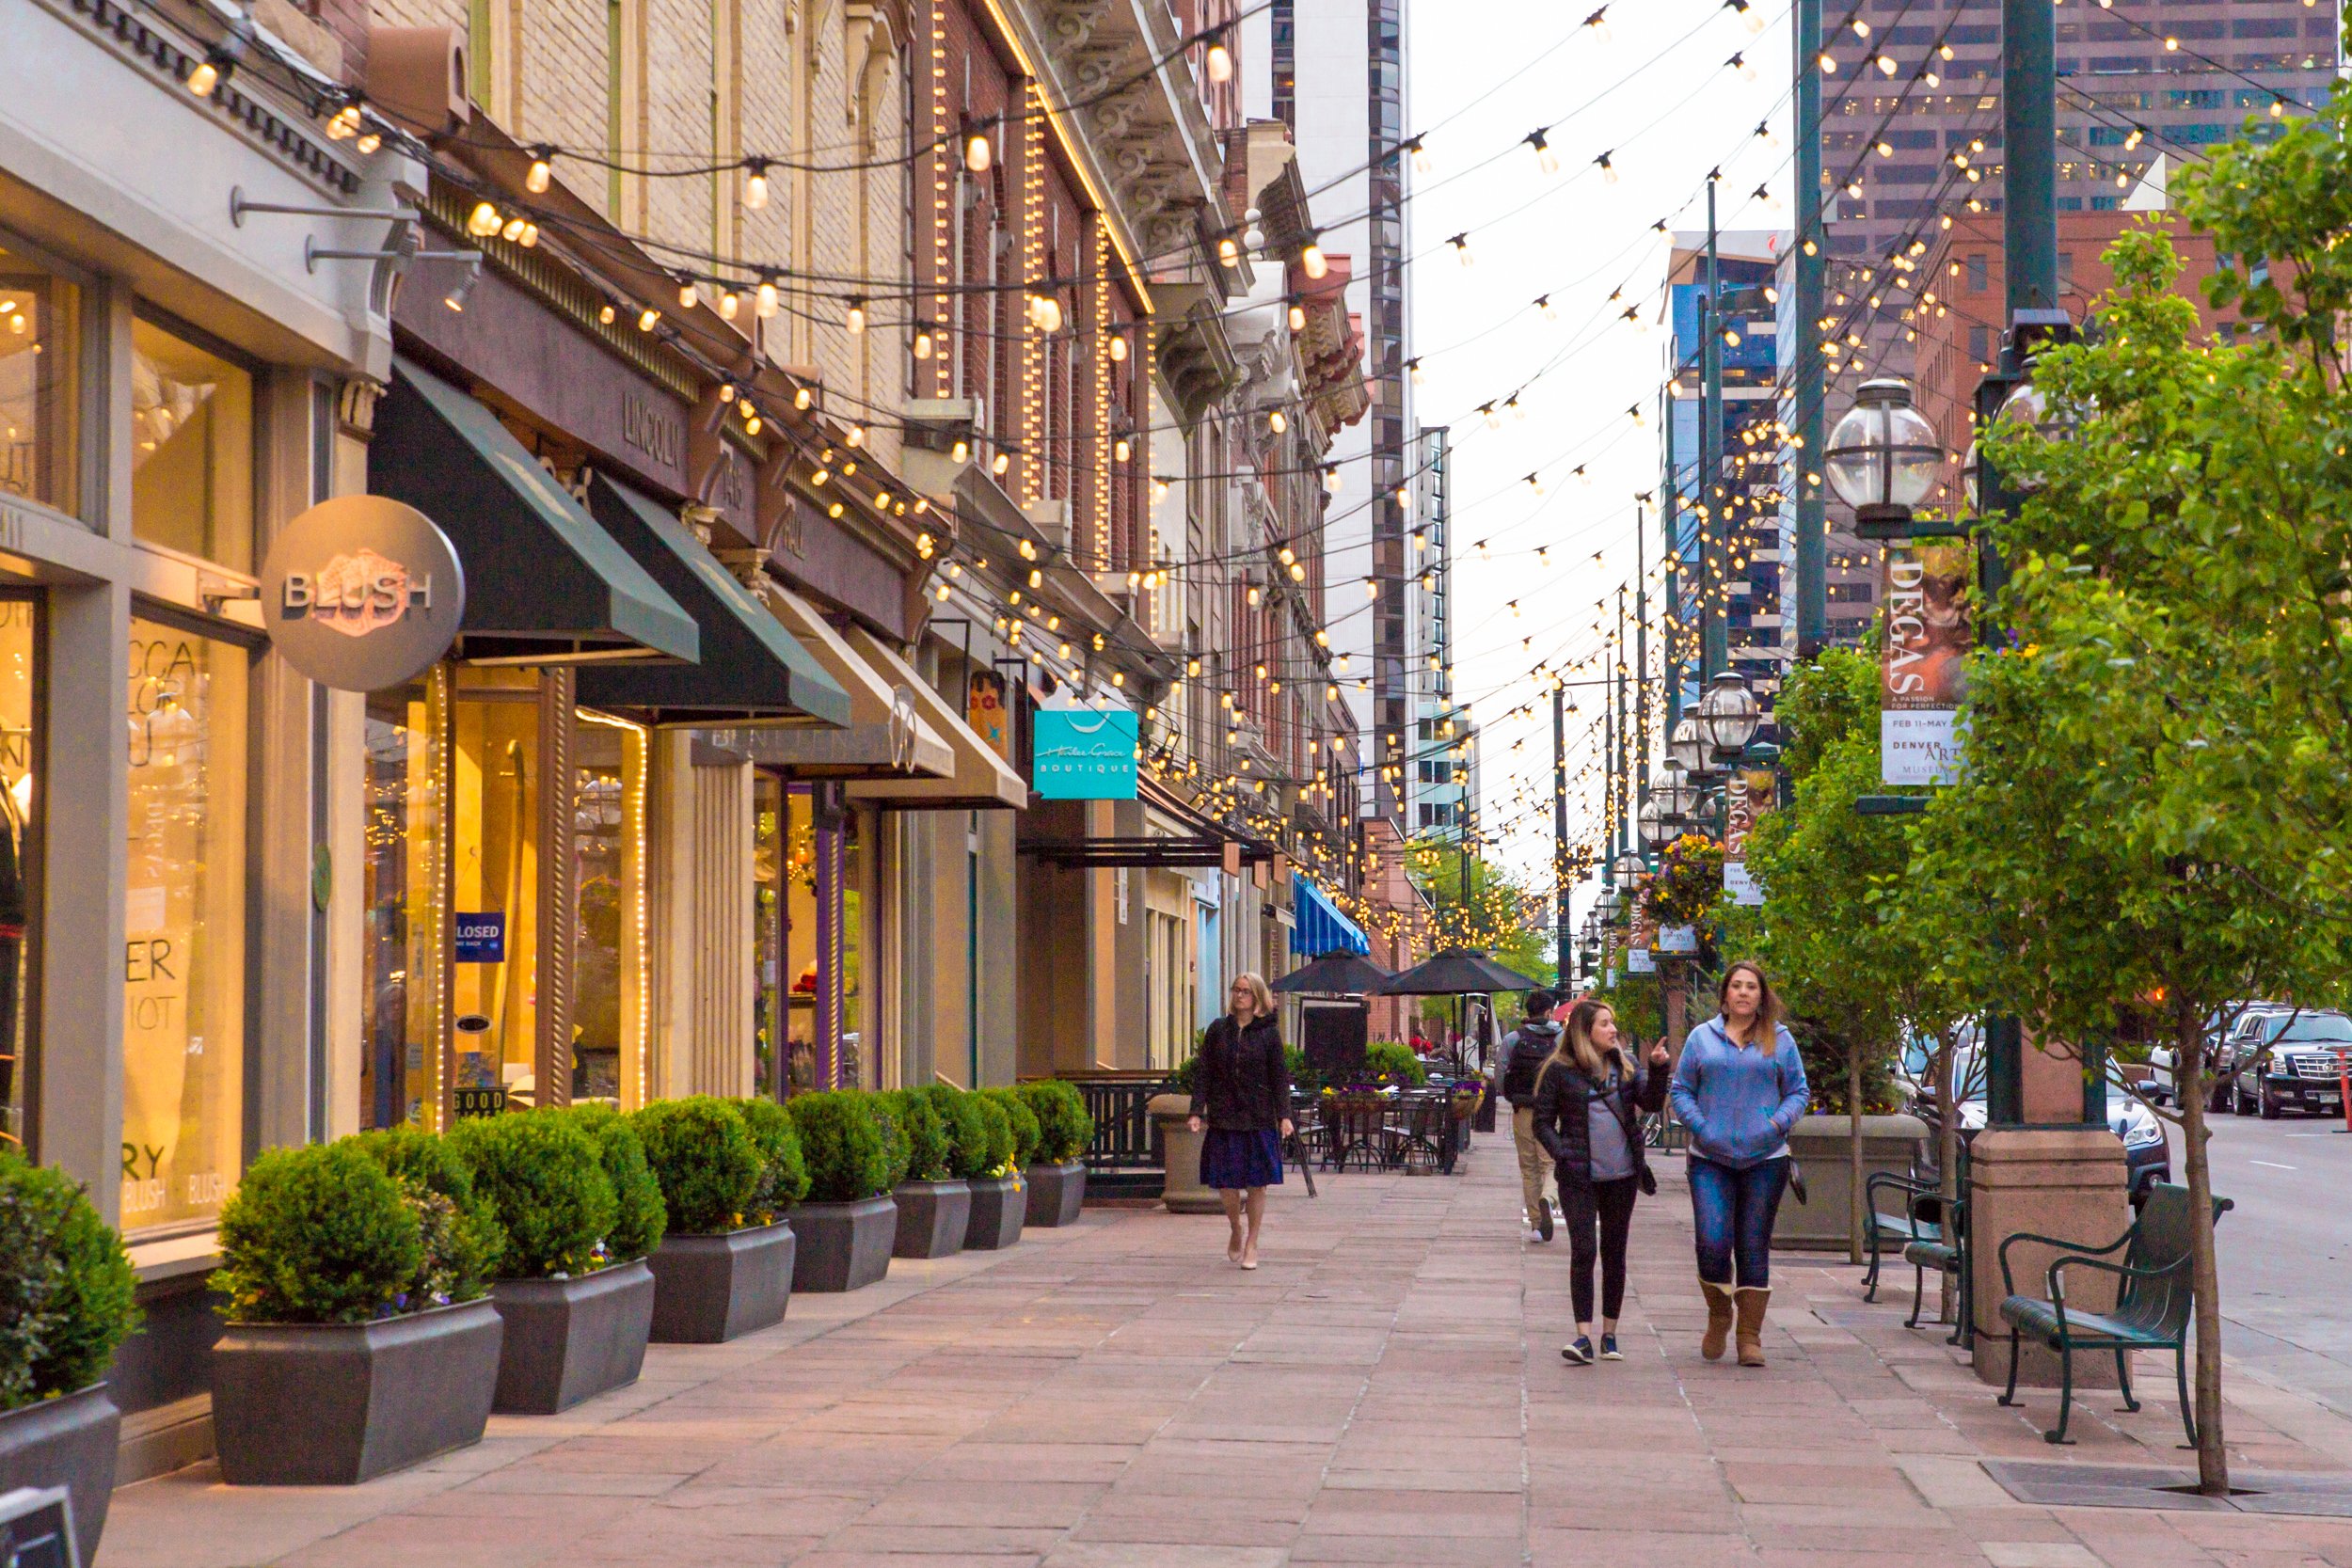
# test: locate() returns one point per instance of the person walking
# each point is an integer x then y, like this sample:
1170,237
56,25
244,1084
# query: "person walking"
1524,1052
1241,1094
1590,1097
1738,1089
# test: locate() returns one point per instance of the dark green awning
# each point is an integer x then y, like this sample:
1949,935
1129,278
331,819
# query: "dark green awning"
544,584
751,668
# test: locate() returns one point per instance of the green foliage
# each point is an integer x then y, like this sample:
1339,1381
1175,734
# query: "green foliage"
1635,999
1828,1060
930,1143
1505,915
460,1228
1690,879
1390,1062
1027,1135
704,1157
969,1146
318,1234
783,1172
1187,1073
897,1146
1064,1126
1303,1074
66,1286
1000,1141
843,1145
544,1177
639,1217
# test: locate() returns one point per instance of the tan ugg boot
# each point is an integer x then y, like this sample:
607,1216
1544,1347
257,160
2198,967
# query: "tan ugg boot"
1753,1299
1718,1313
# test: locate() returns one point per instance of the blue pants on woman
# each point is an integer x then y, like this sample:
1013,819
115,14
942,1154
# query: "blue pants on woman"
1732,1211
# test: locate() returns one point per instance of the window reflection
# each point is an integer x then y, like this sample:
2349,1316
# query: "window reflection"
19,754
191,449
39,366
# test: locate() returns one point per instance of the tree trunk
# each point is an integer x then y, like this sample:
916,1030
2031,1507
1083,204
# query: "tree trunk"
1853,1152
2213,1459
1947,1167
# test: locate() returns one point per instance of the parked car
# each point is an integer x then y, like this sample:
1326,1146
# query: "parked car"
2291,1058
2147,1157
2224,1031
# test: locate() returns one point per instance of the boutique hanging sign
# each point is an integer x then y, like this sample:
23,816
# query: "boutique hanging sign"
363,593
1083,753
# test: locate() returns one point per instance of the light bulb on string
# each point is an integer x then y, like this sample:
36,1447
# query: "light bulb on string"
754,184
1546,161
1461,248
1608,169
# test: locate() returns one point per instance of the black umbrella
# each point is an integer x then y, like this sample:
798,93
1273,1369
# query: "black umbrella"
1455,972
1334,974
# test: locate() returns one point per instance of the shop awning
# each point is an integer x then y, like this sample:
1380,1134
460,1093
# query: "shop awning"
1321,927
981,781
544,584
887,737
752,668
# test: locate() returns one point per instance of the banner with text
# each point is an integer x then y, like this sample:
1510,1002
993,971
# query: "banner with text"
1922,669
1751,793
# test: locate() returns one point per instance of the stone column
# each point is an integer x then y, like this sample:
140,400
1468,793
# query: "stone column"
2064,1182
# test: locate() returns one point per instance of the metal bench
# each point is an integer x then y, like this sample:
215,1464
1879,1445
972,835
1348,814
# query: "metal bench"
1944,1248
2152,1300
1884,1232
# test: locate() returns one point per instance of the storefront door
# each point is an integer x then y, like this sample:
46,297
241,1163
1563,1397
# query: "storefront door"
810,912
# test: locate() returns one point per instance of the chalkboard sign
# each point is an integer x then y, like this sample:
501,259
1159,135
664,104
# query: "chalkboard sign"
1333,1035
481,1102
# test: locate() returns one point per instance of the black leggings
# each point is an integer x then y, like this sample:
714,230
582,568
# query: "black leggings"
1608,1208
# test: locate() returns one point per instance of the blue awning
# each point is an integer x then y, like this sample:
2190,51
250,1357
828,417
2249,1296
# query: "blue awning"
1319,927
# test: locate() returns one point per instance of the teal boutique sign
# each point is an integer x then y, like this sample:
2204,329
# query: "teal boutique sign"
1085,754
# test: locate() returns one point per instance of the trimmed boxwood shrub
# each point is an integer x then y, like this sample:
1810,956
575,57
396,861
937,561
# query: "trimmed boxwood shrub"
897,1149
783,1171
1064,1126
1000,1139
1025,1131
1388,1062
66,1286
544,1178
318,1234
842,1144
638,1216
960,1117
928,1149
460,1228
703,1155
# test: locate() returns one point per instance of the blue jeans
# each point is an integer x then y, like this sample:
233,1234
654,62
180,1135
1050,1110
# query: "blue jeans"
1732,1211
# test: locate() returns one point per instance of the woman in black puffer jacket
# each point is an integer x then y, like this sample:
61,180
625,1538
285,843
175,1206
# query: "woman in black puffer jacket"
1241,1096
1590,1098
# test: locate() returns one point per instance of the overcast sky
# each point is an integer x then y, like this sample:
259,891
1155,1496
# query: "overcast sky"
1658,98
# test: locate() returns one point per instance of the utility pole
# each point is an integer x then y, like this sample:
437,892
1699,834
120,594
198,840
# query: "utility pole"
1641,660
1677,585
1809,382
1625,740
1715,655
1560,821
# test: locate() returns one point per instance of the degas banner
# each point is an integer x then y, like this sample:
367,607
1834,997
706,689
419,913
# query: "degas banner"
1083,753
1922,669
1751,793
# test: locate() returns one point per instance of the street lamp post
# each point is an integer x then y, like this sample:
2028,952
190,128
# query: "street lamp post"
1882,458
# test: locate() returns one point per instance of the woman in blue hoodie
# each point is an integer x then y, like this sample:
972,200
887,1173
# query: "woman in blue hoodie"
1739,1088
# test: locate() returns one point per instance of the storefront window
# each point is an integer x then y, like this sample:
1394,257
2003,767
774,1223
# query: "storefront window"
610,993
768,901
856,1058
183,980
494,788
400,1072
20,754
802,1028
40,355
822,910
192,449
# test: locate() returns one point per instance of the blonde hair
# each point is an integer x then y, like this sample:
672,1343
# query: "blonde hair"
1576,1042
1261,998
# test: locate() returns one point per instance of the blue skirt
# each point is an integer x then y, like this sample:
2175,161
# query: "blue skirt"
1231,1158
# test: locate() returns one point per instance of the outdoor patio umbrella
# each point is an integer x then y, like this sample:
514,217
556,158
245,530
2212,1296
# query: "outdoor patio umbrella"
1334,974
1455,972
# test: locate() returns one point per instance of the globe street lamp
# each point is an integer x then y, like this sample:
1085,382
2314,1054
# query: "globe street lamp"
1728,716
1651,823
1684,749
1882,458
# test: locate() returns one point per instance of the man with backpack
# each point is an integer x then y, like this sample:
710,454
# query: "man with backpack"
1523,1053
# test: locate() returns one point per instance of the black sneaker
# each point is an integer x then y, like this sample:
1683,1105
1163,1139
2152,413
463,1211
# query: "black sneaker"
1609,1347
1578,1352
1543,1219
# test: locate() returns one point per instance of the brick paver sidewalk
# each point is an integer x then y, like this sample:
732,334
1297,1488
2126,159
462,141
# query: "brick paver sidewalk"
1386,1389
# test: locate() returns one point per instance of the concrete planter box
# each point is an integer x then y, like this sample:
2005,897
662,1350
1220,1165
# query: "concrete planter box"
67,1442
1819,1144
1056,1193
334,1404
710,1289
1185,1195
933,1217
570,1338
998,1209
844,1247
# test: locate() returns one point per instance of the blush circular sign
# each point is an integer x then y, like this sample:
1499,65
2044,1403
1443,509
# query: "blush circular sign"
363,593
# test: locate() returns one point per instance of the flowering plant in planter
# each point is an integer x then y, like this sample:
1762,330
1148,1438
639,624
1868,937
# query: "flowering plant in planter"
1690,879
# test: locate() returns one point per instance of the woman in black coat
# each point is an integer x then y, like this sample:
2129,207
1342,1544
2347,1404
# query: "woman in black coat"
1590,1097
1240,1095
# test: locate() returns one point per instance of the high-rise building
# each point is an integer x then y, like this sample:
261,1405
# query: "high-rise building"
1334,73
1443,748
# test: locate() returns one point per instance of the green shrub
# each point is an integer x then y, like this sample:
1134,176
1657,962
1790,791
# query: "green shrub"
843,1146
1000,1137
929,1146
638,1216
1303,1077
1025,1131
461,1233
318,1234
1064,1126
703,1155
968,1153
1386,1061
544,1178
1187,1071
784,1170
898,1148
66,1286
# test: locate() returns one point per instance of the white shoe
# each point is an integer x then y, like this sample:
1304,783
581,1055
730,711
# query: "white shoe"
1531,1234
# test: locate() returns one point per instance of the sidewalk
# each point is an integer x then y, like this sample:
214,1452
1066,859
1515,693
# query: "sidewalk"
1386,1389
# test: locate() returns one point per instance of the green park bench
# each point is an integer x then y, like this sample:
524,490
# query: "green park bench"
2154,1297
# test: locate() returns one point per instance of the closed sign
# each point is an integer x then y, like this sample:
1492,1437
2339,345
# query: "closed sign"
480,939
363,593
